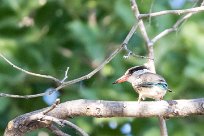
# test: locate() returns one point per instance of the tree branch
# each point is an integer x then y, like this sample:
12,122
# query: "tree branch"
28,72
105,109
150,62
55,130
99,108
163,128
177,12
106,61
175,26
64,84
145,36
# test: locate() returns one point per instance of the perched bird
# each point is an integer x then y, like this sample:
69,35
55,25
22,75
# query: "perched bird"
145,83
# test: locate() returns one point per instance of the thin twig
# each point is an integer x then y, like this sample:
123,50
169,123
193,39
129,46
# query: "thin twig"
174,28
42,117
28,72
130,53
65,75
78,129
55,130
177,12
57,102
62,123
124,44
23,96
28,96
89,75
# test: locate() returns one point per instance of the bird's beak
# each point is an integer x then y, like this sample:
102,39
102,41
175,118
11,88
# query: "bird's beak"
121,79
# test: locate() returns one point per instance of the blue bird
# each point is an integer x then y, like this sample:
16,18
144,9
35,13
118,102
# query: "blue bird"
145,83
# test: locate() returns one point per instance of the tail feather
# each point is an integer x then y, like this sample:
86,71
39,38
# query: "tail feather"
170,90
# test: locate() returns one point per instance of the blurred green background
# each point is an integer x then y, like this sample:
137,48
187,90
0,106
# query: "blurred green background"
46,36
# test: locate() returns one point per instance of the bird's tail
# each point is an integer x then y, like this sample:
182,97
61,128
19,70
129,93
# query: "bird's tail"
170,90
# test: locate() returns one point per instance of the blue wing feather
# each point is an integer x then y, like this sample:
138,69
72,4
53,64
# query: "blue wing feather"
163,85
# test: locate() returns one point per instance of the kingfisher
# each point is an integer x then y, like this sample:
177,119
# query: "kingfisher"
145,83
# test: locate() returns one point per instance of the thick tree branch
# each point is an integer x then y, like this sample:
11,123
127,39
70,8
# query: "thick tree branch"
100,108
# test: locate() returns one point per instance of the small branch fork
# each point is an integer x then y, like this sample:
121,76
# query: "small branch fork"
100,108
175,26
41,119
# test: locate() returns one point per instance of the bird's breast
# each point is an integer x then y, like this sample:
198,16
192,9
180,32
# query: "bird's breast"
155,92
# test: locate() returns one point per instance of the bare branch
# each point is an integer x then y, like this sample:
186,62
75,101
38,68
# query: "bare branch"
62,123
140,22
57,102
39,120
64,84
143,31
175,26
105,109
78,129
162,125
172,29
28,72
124,44
65,75
55,130
23,96
130,53
177,12
28,96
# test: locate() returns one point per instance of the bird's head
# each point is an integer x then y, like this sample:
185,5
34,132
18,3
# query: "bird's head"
132,73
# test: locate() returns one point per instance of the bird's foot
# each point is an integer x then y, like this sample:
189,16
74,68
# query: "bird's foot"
139,100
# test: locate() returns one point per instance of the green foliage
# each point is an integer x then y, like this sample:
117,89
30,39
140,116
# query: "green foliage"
46,36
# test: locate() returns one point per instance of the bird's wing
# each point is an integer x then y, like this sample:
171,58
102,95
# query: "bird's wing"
162,85
146,84
151,79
